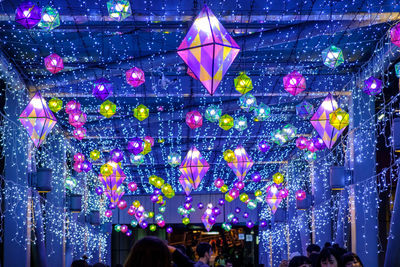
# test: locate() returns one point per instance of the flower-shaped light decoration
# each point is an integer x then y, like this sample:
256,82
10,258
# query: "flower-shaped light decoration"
339,119
50,18
70,183
77,118
248,102
119,9
294,83
213,113
226,122
141,112
304,110
243,83
54,63
194,119
135,145
135,76
28,15
194,167
332,56
55,104
241,164
277,178
102,89
108,109
373,86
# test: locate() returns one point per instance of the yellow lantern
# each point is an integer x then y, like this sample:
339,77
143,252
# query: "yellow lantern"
229,156
106,169
277,178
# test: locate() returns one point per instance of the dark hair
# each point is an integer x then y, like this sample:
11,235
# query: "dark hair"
313,247
298,261
181,248
99,264
79,263
326,254
202,248
149,251
327,244
350,256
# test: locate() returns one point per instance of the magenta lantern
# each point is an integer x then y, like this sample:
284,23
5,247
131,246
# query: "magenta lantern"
122,204
219,183
79,133
239,185
395,35
283,193
28,15
72,106
294,83
124,228
135,77
256,177
132,186
116,155
108,213
300,194
135,145
301,142
79,157
311,147
102,89
54,63
77,118
194,119
78,167
149,139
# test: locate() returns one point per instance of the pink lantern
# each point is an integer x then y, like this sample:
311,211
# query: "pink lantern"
149,139
135,77
311,147
131,210
124,228
301,142
283,193
294,83
132,186
194,119
395,35
78,167
219,183
300,194
122,204
234,193
79,133
53,63
72,106
108,213
239,185
77,118
79,157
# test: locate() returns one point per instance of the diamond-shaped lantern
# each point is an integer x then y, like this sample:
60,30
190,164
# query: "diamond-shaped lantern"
186,185
37,119
208,50
213,113
113,181
135,145
248,102
373,86
207,219
241,164
273,198
77,118
332,56
226,122
53,63
194,167
50,18
262,112
79,133
55,104
194,119
294,83
102,89
135,76
395,35
339,119
240,123
108,109
304,110
243,83
320,122
28,15
141,112
119,9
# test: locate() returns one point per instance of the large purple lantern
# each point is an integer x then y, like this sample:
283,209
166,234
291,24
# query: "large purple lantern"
395,35
194,167
373,86
135,145
294,83
135,77
241,164
54,63
102,89
28,15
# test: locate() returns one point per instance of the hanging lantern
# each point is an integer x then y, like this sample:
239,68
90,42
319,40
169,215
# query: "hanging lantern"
50,18
135,77
226,122
112,183
54,63
290,131
243,83
79,157
119,9
167,190
219,183
241,164
310,156
273,199
301,142
318,143
395,35
194,167
304,110
86,166
156,181
264,146
137,159
102,89
240,123
108,109
248,102
194,119
213,113
28,15
262,112
146,148
95,155
191,74
77,118
174,159
208,50
397,69
300,194
72,106
332,56
70,183
339,119
256,177
277,178
294,83
373,86
78,167
141,112
55,104
229,155
135,145
279,137
79,133
37,119
116,155
186,185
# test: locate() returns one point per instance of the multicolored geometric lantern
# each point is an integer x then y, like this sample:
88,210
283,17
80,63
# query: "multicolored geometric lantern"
226,122
248,102
339,119
102,89
55,104
79,133
290,131
77,118
332,56
141,112
194,167
108,109
50,18
186,185
137,159
194,119
240,123
208,224
113,182
72,106
273,199
116,155
241,164
373,86
135,145
395,35
320,122
174,159
213,113
264,146
262,112
119,9
135,77
28,15
304,110
243,83
54,63
208,50
294,83
37,119
279,137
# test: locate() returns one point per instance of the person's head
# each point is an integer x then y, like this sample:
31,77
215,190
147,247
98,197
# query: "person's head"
144,251
99,264
204,251
300,261
350,259
328,257
79,263
313,248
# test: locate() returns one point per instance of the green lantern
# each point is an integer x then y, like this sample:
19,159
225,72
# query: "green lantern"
241,123
153,227
226,122
262,112
55,104
332,56
141,112
70,183
248,102
50,18
213,113
243,83
108,109
119,9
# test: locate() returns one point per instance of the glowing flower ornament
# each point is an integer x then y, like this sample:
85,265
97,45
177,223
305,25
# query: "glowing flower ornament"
229,155
119,9
37,119
243,83
226,122
241,164
107,109
294,83
213,113
79,157
194,119
141,112
277,178
102,89
54,63
50,18
28,15
279,137
339,119
373,86
290,131
194,167
208,50
332,56
55,104
135,77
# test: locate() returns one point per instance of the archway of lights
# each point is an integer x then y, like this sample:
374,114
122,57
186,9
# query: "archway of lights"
149,114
